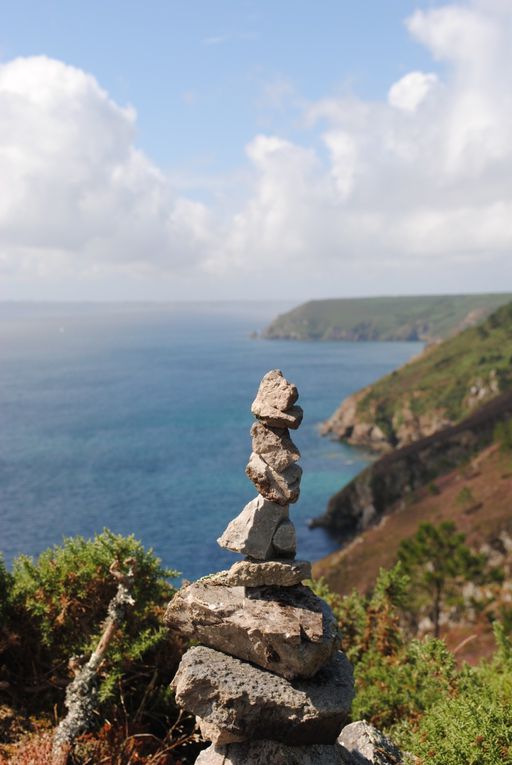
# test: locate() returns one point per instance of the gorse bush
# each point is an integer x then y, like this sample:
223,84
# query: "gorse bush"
473,724
413,689
59,603
54,608
396,678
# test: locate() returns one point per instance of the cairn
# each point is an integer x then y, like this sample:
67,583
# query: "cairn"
268,683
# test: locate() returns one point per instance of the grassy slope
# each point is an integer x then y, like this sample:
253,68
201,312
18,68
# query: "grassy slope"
439,379
384,318
489,479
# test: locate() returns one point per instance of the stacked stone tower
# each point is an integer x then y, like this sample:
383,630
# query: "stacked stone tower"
268,683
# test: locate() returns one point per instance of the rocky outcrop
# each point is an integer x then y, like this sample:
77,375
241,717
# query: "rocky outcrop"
403,427
437,389
373,492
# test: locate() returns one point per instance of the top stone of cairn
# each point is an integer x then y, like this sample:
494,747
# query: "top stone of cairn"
275,401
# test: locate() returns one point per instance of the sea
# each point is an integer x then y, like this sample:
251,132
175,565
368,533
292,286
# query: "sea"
136,418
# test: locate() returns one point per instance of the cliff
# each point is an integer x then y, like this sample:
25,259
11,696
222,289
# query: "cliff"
389,480
436,390
423,317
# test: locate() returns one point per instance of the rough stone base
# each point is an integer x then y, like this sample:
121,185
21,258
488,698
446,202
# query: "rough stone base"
239,701
271,753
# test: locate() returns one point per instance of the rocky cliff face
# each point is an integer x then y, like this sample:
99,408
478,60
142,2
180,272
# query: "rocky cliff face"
374,491
371,429
437,389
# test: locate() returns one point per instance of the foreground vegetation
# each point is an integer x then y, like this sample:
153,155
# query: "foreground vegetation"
422,317
414,690
52,609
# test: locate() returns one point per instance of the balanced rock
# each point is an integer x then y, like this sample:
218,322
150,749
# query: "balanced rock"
236,699
287,630
251,532
282,488
247,573
368,746
284,540
270,753
274,445
273,417
275,390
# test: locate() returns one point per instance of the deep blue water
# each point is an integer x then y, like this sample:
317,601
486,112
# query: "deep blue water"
137,418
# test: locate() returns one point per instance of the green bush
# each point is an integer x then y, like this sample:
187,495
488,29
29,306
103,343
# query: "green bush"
473,724
503,436
413,689
60,602
396,679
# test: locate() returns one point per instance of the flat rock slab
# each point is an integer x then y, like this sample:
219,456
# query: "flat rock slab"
368,746
274,445
270,753
282,488
287,630
247,573
273,417
239,700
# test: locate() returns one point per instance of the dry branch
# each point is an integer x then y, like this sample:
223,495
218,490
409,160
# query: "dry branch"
81,694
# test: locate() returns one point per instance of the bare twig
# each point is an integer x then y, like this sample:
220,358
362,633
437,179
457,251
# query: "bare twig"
81,694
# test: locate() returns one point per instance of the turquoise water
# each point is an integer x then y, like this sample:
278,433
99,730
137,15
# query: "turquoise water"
137,418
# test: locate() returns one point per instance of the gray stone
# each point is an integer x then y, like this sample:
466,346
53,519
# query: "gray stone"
277,391
368,746
238,699
274,445
270,753
287,630
271,416
284,540
251,532
247,573
282,488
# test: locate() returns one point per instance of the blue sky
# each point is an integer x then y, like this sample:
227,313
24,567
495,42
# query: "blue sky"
205,75
183,149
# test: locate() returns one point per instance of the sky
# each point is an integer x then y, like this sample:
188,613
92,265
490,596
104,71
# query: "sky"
235,149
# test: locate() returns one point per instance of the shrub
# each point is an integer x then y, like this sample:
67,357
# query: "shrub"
503,436
60,602
472,725
395,678
57,607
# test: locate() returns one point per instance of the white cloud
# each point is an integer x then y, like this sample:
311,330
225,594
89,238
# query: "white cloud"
409,92
74,189
423,177
414,190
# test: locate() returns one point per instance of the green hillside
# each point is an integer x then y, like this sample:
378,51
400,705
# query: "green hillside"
425,317
440,387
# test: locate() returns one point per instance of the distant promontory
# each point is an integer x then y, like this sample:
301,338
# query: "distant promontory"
426,318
